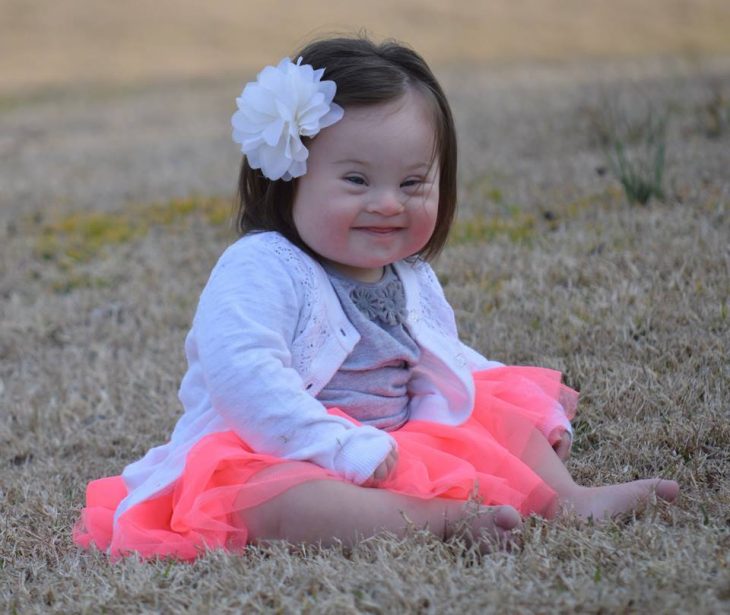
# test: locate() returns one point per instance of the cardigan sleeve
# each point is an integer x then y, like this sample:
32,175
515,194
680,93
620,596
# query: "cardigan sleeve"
243,330
476,361
556,422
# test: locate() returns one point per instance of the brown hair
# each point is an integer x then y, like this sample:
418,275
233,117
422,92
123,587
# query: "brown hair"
365,74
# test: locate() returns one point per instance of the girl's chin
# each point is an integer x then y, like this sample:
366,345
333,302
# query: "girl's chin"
364,273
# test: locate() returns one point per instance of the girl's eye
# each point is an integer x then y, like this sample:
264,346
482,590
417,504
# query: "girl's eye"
410,183
355,179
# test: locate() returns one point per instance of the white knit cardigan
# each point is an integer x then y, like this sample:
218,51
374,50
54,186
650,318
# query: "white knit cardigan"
267,336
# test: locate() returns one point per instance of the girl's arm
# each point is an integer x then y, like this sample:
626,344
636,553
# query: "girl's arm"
557,428
476,361
243,330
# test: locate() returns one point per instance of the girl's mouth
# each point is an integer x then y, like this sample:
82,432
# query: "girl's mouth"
379,230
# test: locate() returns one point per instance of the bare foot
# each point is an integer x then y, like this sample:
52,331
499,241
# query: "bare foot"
491,527
611,500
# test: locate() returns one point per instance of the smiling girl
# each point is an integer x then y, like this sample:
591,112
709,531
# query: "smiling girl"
328,396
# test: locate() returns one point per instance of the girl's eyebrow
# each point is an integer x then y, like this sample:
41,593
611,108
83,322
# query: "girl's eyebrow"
351,161
416,165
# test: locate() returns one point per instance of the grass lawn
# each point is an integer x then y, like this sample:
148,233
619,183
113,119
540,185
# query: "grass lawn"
550,264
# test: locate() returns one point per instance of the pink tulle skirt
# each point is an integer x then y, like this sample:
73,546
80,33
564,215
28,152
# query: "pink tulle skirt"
481,457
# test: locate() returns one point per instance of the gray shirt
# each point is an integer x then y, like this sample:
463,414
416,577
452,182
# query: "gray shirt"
372,384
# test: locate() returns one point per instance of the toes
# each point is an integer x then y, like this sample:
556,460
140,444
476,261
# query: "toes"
507,518
497,529
667,490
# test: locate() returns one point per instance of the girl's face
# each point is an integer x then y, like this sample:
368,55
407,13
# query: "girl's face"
371,192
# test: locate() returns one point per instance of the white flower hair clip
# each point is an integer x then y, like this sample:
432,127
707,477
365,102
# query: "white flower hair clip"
285,103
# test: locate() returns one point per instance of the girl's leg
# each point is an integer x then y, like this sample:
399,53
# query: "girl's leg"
596,502
327,511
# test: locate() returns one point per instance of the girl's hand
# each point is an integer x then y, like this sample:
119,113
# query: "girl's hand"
384,470
562,446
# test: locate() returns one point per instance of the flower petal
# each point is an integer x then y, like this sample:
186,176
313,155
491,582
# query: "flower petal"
298,168
273,163
272,133
334,115
328,88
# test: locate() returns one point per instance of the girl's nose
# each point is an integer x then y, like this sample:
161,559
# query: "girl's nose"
386,203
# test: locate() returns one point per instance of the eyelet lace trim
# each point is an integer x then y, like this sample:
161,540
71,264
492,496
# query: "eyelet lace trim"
435,312
304,348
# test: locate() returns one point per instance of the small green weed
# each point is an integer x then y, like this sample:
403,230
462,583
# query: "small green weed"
494,217
72,241
80,236
635,147
517,227
482,188
641,174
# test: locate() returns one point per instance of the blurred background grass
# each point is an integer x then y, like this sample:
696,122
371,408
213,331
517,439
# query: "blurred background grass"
114,201
45,43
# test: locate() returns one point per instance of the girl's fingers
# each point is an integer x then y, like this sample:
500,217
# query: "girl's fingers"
562,447
392,460
384,470
386,467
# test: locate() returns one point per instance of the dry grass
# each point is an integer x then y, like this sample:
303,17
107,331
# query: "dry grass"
55,43
549,265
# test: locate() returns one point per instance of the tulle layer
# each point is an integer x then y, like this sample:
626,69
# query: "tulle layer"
482,457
